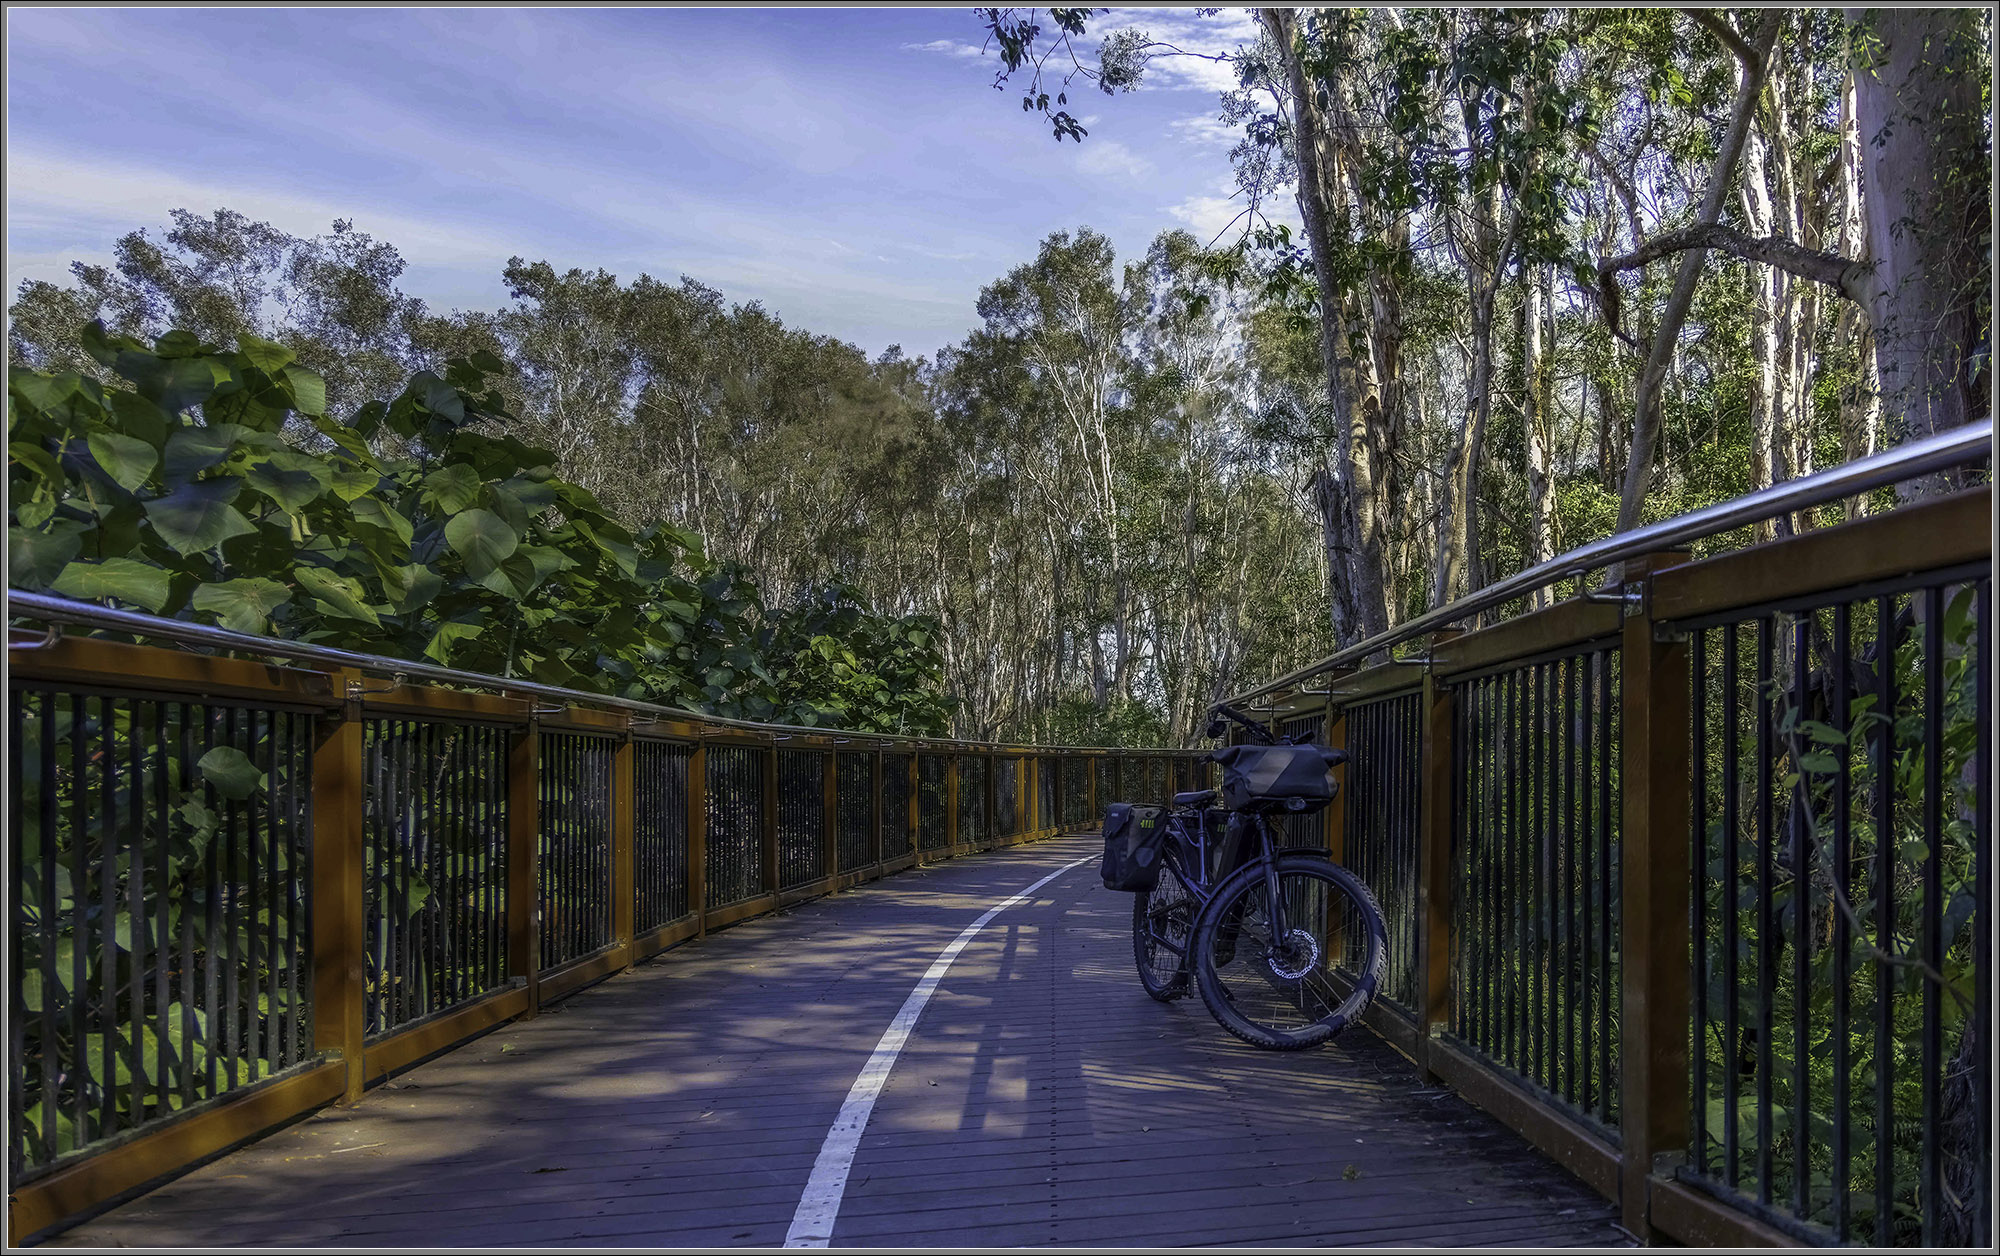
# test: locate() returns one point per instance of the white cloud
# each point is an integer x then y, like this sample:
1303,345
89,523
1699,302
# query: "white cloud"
1203,38
1205,131
1110,158
1224,214
946,48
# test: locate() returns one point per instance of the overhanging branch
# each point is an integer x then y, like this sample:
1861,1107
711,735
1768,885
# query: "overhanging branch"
1845,276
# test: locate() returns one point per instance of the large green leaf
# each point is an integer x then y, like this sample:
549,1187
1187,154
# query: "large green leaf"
308,390
376,513
412,586
482,539
231,772
35,556
192,450
244,604
338,595
266,356
451,489
198,516
293,480
126,579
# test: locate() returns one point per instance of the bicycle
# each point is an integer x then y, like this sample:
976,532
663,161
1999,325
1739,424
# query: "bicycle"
1287,946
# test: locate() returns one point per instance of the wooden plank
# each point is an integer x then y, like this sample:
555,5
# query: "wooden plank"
339,924
1697,1219
558,982
1380,681
1919,537
1654,678
1574,1147
37,1205
93,662
399,1051
653,941
425,702
624,869
720,916
1437,814
524,903
1565,624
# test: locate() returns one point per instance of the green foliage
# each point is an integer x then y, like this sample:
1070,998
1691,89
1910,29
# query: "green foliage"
209,485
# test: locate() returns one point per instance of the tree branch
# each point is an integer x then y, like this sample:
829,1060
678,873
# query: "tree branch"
1845,276
1719,25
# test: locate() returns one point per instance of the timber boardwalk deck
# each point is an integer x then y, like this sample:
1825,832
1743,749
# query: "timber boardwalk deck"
1042,1099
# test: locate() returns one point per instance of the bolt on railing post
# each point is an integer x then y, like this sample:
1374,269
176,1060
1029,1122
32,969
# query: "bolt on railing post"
624,873
339,924
524,903
1435,815
697,831
1654,868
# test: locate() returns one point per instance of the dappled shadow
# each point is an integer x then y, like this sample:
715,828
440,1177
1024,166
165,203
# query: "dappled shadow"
1043,1098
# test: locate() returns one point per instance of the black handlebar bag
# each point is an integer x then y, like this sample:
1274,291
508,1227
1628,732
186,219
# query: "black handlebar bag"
1135,839
1277,778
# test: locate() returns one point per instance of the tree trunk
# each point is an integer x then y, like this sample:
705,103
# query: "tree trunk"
1356,475
1646,408
1538,423
1926,188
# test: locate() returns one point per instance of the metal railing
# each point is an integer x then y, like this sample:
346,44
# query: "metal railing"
240,891
1699,868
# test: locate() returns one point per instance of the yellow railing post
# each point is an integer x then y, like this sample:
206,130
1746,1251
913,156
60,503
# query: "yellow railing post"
1654,703
339,928
624,873
524,906
697,830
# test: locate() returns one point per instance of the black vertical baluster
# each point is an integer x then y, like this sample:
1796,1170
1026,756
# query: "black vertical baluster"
1537,872
1982,891
1517,989
1607,878
254,810
1843,942
401,852
1698,897
232,956
1732,1053
20,1148
1489,865
1885,919
1801,825
1767,961
51,906
79,897
1570,887
106,755
1591,730
184,722
135,902
277,827
1932,1196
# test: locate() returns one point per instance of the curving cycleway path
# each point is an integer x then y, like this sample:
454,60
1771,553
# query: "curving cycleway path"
1038,1098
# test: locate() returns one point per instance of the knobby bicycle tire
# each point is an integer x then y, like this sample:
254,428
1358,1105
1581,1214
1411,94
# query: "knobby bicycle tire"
1292,996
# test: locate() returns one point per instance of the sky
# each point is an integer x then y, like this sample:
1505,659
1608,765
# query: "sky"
852,169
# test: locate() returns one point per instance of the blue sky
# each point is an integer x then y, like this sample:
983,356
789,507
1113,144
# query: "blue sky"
853,169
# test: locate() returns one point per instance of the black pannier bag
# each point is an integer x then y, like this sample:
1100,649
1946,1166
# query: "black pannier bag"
1277,778
1135,838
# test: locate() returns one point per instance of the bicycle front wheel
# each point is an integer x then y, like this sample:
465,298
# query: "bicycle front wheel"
1291,974
1162,927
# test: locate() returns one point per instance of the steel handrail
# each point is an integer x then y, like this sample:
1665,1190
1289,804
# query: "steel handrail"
51,609
1938,452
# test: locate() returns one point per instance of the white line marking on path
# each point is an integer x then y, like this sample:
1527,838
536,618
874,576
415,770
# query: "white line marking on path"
812,1224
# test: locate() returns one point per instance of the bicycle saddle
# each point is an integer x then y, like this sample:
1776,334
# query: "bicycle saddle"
1199,798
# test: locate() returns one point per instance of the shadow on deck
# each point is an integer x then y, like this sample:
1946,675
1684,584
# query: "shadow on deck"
1042,1099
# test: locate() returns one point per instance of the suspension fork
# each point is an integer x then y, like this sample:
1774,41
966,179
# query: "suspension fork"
1274,898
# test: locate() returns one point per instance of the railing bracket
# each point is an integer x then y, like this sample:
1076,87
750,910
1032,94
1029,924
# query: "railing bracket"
46,640
355,689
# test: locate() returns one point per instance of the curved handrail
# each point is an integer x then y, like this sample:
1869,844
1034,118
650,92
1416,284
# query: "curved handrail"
1938,452
51,609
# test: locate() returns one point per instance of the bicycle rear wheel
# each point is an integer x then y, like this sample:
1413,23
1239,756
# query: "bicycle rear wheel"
1162,926
1289,992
